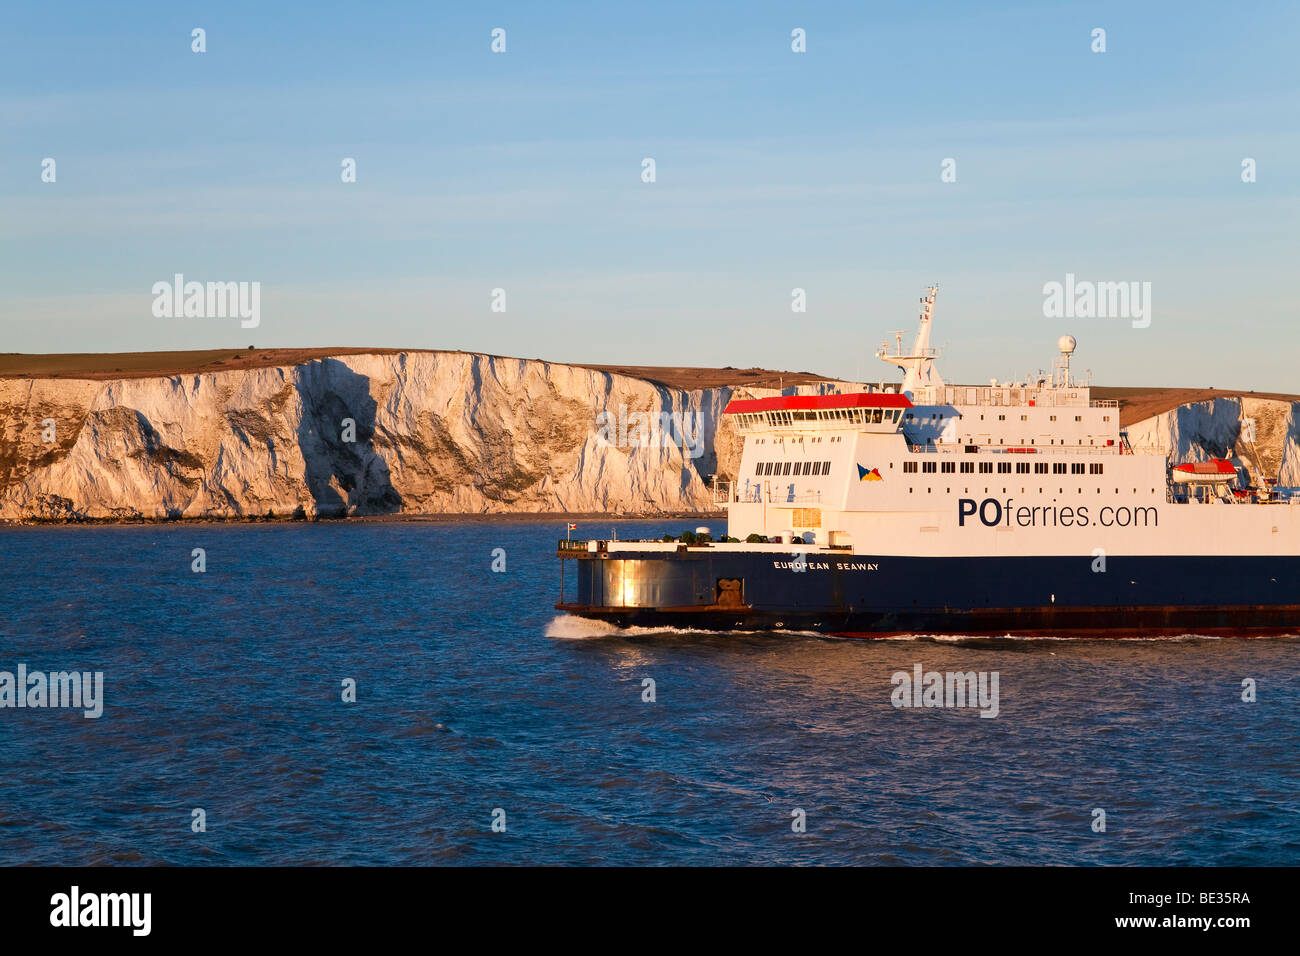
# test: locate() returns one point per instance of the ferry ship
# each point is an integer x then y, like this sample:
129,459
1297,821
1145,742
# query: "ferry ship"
1006,509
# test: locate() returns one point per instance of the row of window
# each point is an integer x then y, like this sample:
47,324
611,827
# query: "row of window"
1004,467
861,416
800,439
1025,418
973,441
793,468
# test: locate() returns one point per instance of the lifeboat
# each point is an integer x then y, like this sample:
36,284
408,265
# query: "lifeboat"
1213,472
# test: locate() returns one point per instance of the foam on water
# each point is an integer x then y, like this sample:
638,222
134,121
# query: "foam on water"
572,628
568,627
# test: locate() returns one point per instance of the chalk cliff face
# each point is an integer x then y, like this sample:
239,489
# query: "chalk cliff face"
428,432
419,432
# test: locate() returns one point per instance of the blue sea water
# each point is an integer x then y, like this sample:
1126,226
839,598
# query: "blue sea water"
223,692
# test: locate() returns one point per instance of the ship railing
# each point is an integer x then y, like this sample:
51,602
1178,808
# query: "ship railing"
779,498
726,492
1104,403
909,353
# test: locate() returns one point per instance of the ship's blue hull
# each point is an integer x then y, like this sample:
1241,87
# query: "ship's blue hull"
857,595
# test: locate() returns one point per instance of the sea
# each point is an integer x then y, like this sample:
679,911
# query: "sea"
405,693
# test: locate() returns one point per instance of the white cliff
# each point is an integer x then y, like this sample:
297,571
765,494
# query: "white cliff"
430,432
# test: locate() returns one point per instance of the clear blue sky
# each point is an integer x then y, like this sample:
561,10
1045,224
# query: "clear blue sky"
775,170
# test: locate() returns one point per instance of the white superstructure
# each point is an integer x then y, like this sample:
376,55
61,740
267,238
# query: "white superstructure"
1010,467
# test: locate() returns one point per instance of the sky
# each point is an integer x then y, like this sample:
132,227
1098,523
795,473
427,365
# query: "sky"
774,171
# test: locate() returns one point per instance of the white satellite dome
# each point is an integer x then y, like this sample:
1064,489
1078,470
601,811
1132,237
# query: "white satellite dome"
1066,344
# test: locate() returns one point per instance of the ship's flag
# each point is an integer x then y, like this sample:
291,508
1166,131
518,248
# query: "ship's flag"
573,527
872,475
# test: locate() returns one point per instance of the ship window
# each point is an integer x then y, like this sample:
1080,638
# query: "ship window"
1058,468
786,469
1004,468
909,467
826,467
1076,468
967,467
1095,468
986,467
928,467
1040,468
948,467
1022,468
875,416
758,469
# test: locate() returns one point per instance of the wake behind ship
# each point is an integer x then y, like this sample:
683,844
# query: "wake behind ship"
1009,508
